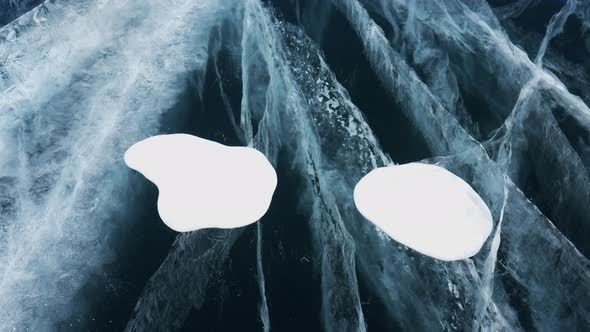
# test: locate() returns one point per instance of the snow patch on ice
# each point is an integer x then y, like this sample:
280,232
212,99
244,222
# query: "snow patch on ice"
204,184
426,208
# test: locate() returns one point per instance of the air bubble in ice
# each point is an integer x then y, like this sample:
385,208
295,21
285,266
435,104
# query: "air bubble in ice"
426,208
204,184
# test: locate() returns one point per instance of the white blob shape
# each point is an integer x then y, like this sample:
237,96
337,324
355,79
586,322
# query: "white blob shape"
426,208
204,184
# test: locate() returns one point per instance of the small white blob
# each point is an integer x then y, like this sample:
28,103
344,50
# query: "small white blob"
426,208
204,184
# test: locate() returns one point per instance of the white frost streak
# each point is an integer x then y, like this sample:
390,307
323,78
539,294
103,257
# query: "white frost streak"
491,261
90,79
555,27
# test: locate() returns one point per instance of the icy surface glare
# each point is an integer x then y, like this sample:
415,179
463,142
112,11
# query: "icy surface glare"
204,184
426,208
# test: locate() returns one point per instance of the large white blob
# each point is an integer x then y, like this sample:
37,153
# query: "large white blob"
204,184
426,208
